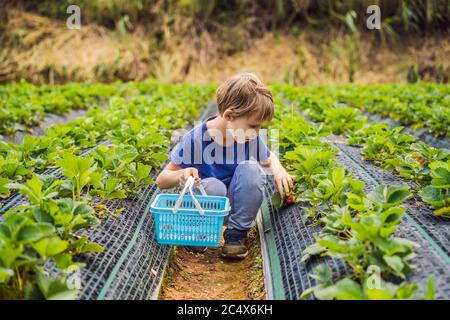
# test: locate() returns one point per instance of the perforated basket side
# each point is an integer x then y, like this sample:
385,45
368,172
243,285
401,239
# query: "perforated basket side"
188,229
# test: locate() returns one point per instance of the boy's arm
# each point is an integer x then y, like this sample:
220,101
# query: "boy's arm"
172,175
283,180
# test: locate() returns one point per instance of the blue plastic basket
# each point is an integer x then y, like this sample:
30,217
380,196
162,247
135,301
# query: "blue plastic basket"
188,226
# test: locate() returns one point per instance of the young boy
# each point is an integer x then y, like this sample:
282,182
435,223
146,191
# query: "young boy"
217,154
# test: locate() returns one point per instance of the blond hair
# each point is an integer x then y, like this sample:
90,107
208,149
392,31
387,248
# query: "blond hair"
245,94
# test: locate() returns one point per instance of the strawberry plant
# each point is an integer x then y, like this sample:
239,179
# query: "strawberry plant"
348,289
371,225
79,172
332,187
49,288
306,162
24,246
38,191
342,119
381,147
437,193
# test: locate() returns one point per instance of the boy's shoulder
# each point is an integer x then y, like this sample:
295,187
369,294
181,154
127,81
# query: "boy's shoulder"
195,133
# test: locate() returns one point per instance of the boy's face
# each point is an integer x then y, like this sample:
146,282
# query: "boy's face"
244,128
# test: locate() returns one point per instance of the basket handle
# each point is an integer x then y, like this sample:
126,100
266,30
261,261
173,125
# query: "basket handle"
189,184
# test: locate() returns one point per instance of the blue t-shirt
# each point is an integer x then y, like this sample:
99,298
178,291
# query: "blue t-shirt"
198,150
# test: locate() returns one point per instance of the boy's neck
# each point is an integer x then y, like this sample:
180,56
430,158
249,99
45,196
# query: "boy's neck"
219,124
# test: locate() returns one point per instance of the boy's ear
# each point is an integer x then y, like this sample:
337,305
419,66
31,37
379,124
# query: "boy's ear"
228,115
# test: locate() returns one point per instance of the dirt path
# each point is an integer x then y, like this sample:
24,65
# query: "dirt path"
206,276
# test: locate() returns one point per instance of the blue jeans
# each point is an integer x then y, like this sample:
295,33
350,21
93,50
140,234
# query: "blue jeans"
245,193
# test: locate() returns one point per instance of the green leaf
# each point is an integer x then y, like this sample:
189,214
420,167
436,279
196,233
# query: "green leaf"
92,247
161,157
47,229
433,196
81,208
444,211
32,292
9,254
277,202
312,250
63,260
355,201
35,190
322,273
41,215
357,186
396,264
378,294
333,244
398,195
347,289
338,175
48,247
308,292
389,196
54,289
393,246
95,178
143,171
4,189
29,234
431,288
406,291
5,274
441,178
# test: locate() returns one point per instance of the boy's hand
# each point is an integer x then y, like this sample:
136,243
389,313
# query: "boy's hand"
284,182
188,172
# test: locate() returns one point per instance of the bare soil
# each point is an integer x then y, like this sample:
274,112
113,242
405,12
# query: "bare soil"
205,276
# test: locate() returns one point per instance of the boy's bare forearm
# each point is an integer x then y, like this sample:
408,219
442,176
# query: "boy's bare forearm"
283,180
173,175
273,163
169,178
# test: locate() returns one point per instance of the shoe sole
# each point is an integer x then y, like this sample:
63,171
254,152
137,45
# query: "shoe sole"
234,256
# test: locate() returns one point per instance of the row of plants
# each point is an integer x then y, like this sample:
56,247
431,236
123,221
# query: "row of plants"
46,230
394,149
355,226
24,105
38,153
420,106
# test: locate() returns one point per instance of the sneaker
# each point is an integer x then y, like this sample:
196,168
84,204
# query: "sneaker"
235,246
195,249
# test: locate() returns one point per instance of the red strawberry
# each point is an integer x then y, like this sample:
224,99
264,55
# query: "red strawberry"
289,199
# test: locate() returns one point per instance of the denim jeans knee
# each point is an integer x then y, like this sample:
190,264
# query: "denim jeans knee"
213,187
246,195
